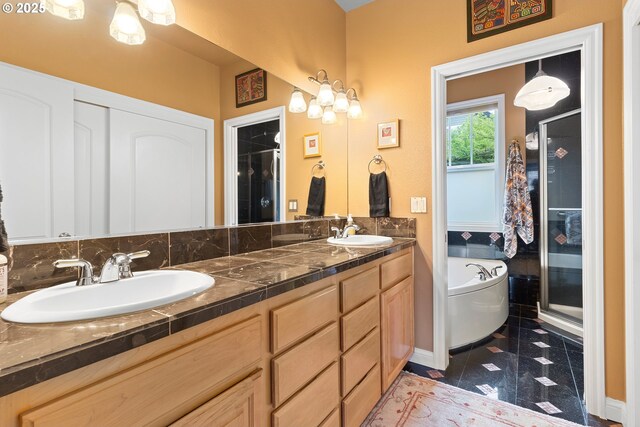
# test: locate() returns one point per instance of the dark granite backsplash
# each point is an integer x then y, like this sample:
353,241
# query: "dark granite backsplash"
31,266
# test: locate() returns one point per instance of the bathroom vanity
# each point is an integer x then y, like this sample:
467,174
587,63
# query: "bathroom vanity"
316,347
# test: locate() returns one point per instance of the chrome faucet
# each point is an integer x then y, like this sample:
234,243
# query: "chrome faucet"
117,267
344,233
482,272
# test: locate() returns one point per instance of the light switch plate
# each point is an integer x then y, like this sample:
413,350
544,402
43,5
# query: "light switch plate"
418,205
293,205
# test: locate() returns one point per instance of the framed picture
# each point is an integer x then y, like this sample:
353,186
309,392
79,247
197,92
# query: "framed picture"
389,134
488,17
251,87
312,145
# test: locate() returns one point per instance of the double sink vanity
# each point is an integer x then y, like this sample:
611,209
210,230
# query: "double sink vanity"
309,334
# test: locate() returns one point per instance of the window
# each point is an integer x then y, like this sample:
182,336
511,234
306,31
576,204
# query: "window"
475,164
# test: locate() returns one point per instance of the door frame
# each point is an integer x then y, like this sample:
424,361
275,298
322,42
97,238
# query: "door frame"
231,160
631,91
589,41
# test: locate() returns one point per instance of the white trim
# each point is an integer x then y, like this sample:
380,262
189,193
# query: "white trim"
104,98
498,166
422,357
617,411
589,41
231,164
631,90
558,322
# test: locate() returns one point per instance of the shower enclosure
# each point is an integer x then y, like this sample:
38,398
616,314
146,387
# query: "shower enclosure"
561,221
258,184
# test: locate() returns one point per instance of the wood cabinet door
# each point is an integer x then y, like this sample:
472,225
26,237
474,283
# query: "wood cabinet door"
396,310
232,408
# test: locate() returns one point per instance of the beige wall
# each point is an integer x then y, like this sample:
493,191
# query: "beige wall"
391,47
289,38
334,141
507,81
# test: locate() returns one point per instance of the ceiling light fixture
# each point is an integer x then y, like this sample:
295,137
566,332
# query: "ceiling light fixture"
331,99
125,26
541,92
297,103
68,9
161,12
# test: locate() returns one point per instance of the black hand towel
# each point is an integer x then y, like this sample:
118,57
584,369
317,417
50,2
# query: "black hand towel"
4,241
315,204
378,195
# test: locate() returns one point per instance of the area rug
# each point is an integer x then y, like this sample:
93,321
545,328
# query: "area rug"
414,401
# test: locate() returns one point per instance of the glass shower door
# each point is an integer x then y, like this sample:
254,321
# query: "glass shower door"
561,219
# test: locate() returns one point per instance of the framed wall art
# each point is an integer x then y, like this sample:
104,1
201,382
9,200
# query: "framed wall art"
488,17
389,134
312,145
251,87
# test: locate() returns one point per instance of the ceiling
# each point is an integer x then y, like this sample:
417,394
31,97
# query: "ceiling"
348,5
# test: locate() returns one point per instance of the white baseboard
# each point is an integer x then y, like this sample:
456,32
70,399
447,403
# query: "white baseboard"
422,357
615,410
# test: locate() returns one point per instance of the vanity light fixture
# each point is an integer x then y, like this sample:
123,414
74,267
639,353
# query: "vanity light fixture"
297,103
161,12
315,110
541,92
125,26
355,109
329,116
325,96
68,9
331,99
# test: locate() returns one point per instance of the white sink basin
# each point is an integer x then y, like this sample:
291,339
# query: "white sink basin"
360,240
68,302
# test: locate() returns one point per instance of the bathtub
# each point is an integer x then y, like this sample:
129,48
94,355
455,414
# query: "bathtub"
476,308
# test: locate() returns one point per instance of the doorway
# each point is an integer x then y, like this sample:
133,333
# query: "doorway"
589,42
255,168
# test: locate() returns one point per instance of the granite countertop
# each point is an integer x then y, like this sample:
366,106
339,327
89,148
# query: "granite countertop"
35,353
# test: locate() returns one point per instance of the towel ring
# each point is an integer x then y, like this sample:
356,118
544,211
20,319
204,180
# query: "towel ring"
377,159
320,165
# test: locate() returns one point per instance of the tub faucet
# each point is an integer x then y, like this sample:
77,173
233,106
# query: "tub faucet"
482,272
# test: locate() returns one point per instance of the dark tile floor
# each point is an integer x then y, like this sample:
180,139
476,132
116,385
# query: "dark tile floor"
524,363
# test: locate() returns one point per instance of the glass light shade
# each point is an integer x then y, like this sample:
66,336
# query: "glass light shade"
157,11
325,94
125,26
341,103
315,110
297,104
329,116
355,109
541,92
68,9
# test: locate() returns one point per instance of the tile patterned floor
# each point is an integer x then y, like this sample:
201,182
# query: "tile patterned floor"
524,363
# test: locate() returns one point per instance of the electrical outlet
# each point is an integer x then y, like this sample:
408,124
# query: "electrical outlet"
293,205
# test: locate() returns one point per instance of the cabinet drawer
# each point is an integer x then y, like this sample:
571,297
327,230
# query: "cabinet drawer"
359,322
395,270
359,288
359,403
294,321
160,390
332,420
297,366
359,360
313,404
234,407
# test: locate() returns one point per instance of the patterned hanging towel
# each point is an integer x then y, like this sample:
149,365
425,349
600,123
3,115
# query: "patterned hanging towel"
518,215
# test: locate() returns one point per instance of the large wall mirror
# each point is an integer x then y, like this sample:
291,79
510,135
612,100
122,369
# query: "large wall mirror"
100,138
